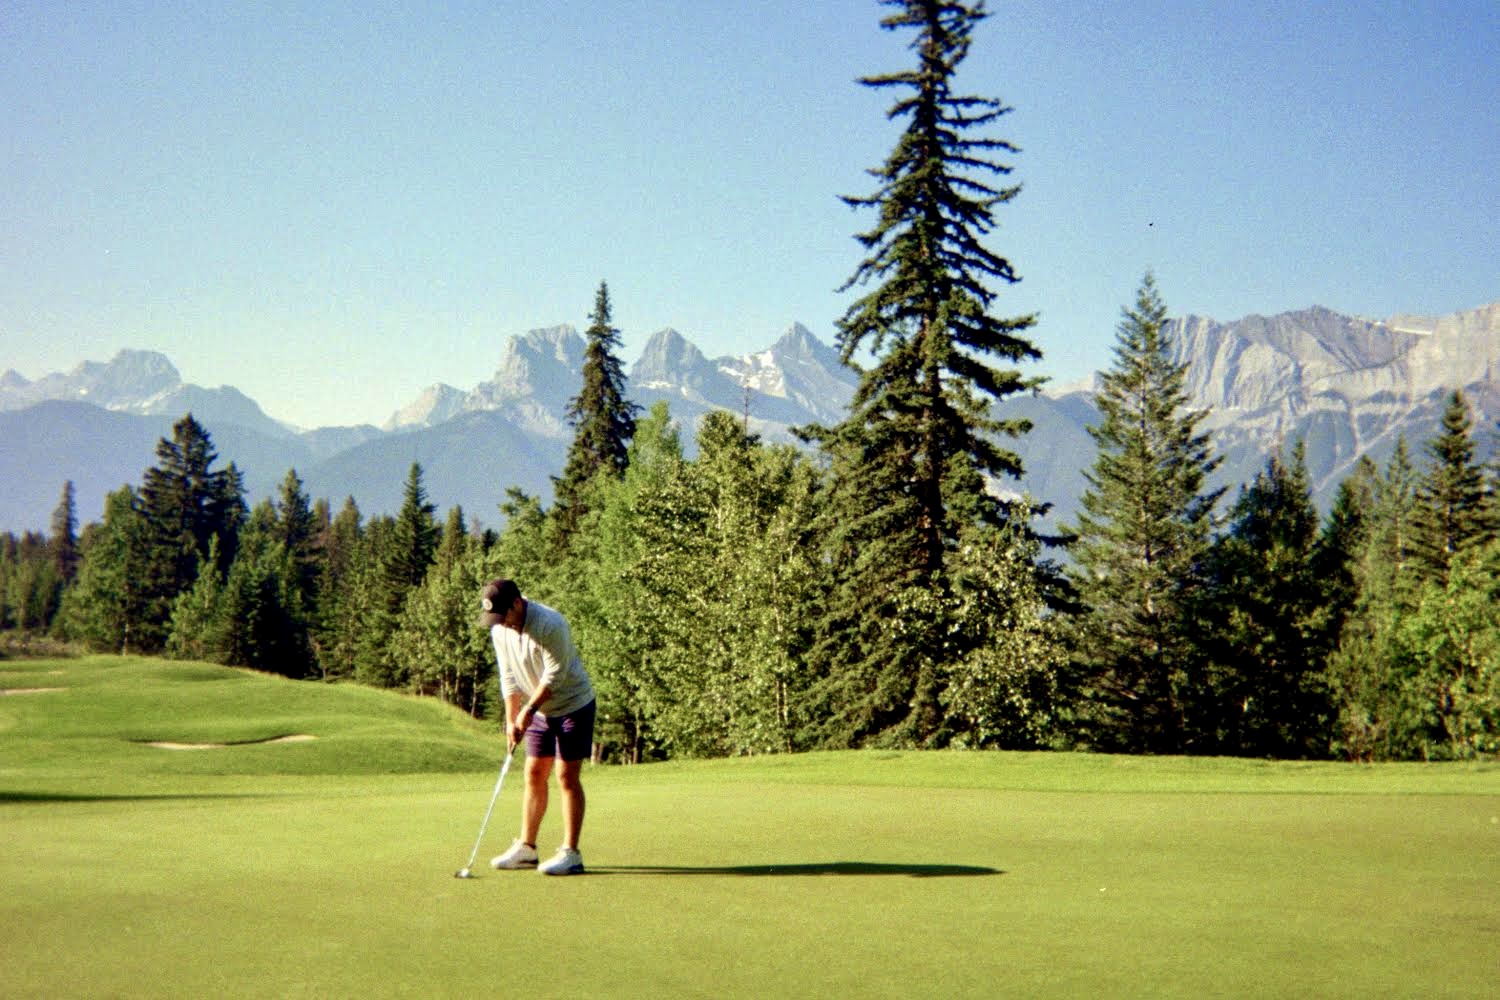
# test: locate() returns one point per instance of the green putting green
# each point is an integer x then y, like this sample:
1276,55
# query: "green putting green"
324,867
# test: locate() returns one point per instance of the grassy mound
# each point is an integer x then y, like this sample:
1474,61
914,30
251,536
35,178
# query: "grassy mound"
100,716
133,871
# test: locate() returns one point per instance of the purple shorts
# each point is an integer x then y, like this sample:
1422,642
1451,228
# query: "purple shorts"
570,736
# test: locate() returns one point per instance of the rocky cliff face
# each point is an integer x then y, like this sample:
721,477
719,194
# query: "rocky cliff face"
1346,386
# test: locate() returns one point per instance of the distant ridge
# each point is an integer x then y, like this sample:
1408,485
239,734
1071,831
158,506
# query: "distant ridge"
1346,385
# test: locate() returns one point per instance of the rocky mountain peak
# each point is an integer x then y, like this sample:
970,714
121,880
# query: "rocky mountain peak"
131,377
437,403
666,352
130,380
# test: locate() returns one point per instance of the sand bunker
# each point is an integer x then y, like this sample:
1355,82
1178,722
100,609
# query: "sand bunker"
170,745
4,691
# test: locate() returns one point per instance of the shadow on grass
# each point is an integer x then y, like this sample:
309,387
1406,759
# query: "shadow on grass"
819,868
44,797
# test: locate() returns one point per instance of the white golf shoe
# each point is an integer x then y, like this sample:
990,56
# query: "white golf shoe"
520,855
566,861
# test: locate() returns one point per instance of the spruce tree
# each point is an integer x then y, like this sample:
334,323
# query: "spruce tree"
199,626
335,622
453,543
63,537
9,568
413,543
910,461
398,553
184,502
108,597
603,420
1265,691
1142,534
1453,511
296,527
1343,536
263,615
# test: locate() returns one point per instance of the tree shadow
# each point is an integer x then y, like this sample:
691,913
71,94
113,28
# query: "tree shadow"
816,868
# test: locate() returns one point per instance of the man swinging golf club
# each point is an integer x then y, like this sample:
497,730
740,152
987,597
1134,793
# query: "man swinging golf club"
549,702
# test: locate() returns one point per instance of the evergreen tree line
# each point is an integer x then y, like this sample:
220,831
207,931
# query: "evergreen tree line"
883,586
704,591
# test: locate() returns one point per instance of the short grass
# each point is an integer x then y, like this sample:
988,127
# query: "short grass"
324,868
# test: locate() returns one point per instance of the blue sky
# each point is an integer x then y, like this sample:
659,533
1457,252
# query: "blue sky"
333,205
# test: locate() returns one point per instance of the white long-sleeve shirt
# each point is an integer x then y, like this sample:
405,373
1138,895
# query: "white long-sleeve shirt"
541,654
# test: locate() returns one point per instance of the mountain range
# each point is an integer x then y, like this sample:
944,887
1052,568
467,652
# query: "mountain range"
1347,386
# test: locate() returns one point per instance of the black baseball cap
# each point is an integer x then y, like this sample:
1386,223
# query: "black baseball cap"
495,599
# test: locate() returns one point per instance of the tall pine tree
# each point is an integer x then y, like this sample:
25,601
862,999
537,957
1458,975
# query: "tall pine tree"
397,554
184,502
603,420
414,542
63,537
336,629
1142,534
1265,693
1454,508
297,528
910,462
108,598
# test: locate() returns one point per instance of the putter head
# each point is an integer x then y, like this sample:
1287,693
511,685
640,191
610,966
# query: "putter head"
463,873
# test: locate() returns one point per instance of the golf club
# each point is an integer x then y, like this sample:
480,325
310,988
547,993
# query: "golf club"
465,871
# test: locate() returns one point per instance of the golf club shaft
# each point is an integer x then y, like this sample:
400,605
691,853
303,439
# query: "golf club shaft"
493,796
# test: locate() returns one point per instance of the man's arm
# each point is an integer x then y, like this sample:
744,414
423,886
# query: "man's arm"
520,712
513,728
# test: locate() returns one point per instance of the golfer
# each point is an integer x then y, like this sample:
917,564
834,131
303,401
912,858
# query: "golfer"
549,702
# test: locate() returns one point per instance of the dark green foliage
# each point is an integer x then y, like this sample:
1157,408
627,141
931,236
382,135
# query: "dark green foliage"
297,528
371,616
1264,694
603,421
1454,511
30,582
335,621
610,595
395,559
1142,535
1360,673
184,503
1345,532
63,534
924,405
872,665
108,598
151,545
413,542
909,464
1417,670
255,614
441,651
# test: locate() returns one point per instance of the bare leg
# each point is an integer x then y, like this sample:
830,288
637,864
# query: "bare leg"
570,781
534,803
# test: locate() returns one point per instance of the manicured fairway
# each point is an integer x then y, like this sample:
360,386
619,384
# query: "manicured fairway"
324,868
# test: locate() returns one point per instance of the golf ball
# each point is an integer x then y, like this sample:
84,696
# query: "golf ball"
465,873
